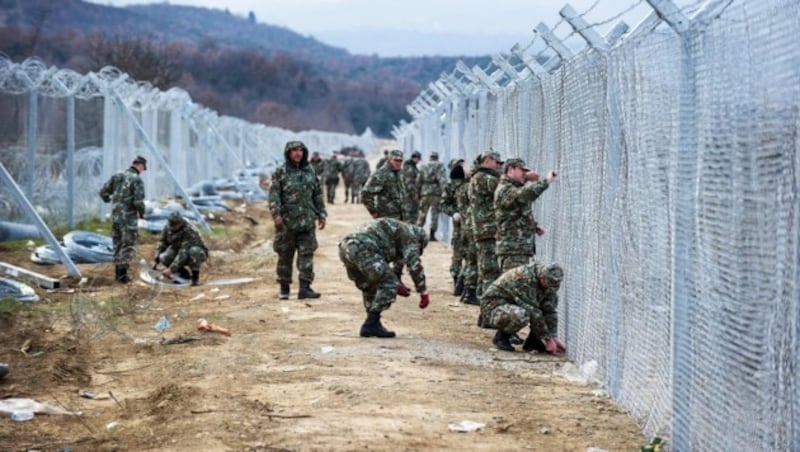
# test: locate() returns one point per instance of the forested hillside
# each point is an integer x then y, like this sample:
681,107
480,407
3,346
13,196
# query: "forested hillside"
235,65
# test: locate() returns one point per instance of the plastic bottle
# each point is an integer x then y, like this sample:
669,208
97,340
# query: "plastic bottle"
21,416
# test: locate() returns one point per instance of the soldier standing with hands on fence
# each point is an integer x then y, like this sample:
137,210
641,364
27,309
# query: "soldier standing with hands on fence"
516,228
295,202
125,190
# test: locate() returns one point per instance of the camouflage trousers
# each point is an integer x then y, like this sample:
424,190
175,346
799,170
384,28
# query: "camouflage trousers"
508,318
488,270
330,189
470,268
124,236
509,261
285,245
459,250
348,189
355,191
429,202
372,275
192,257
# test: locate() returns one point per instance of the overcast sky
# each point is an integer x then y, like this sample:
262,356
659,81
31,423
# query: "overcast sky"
421,27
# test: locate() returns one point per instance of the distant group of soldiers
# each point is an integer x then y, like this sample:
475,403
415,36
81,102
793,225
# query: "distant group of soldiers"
354,172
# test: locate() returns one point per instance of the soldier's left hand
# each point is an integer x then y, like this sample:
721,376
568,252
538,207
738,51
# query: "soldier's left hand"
539,230
551,176
322,224
167,273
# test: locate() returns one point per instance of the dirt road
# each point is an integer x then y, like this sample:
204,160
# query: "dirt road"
294,375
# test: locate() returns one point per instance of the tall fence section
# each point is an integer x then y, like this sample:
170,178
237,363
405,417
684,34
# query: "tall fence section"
64,133
676,213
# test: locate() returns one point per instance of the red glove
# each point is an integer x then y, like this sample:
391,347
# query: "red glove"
424,300
554,346
402,290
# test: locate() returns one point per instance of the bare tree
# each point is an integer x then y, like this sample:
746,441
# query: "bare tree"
142,59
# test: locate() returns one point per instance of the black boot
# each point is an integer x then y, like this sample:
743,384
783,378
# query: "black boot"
533,343
470,296
306,291
514,339
458,288
122,274
433,236
184,273
284,295
372,327
500,341
195,277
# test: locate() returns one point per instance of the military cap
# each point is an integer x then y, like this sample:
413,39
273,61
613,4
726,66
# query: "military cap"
553,274
140,159
175,218
454,162
495,155
515,163
396,154
434,156
315,154
416,155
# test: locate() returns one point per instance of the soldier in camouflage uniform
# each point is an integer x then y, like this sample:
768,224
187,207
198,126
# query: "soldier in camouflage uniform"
516,229
295,202
481,197
384,196
449,206
367,254
431,180
331,175
181,249
469,271
410,172
383,160
318,164
348,175
521,296
126,191
361,173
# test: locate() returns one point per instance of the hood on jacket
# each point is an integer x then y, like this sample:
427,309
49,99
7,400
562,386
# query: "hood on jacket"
292,145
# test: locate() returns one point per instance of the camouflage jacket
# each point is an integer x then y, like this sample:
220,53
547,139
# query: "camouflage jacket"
410,173
318,165
481,198
361,170
295,194
394,240
126,191
516,228
448,205
384,195
431,179
180,241
464,208
381,163
332,169
520,286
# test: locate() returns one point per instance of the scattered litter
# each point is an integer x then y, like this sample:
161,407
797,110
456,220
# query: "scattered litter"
216,289
21,416
203,325
162,324
112,425
222,297
466,426
232,281
93,395
179,340
198,296
12,405
326,349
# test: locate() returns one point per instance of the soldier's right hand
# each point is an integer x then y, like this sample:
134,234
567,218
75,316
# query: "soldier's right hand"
551,176
532,176
554,346
157,260
278,220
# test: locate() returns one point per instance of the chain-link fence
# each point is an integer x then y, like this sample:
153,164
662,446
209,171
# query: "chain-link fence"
64,134
676,213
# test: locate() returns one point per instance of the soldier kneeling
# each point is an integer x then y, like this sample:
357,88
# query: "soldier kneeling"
181,249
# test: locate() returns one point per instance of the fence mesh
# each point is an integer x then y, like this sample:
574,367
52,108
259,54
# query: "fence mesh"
676,214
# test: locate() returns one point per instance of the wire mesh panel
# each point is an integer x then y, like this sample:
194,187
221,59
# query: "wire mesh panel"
676,214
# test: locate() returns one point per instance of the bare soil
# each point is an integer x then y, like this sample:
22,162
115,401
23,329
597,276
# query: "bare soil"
294,375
